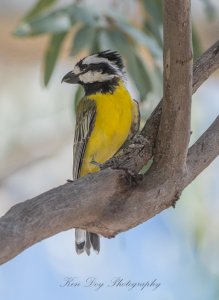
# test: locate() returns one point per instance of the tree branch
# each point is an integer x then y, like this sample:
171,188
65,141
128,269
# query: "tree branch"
174,130
205,66
203,152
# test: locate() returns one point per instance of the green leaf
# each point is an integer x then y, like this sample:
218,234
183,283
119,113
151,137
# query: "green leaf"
56,21
83,38
46,23
197,48
105,42
209,9
153,29
59,20
116,40
95,45
154,10
139,74
141,38
39,7
157,80
137,35
89,15
154,19
51,55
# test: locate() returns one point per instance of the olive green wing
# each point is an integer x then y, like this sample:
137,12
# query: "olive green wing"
85,119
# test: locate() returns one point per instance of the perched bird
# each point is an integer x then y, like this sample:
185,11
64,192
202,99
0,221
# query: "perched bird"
105,118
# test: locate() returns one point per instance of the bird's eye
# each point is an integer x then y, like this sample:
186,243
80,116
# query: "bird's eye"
84,67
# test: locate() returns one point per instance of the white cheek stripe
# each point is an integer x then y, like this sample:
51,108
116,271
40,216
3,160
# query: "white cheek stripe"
76,70
95,76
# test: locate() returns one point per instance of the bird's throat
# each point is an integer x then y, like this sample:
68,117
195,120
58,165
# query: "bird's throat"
104,87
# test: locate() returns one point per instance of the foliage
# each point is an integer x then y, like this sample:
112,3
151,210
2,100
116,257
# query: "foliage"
140,42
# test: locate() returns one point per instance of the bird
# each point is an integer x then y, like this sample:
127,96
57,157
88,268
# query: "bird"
106,118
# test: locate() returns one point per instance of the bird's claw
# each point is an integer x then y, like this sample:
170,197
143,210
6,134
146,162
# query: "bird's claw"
99,165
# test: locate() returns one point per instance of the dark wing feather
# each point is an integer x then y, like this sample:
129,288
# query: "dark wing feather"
85,118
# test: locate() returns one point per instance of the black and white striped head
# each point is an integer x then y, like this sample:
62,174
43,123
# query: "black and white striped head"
99,72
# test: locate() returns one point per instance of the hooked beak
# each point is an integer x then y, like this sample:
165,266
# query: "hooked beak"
70,77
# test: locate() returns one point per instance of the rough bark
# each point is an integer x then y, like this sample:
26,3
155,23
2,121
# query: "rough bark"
174,129
203,152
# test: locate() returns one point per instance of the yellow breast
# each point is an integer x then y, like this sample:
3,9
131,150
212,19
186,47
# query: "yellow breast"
111,129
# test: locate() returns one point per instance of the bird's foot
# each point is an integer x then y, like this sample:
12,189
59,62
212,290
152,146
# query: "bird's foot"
99,165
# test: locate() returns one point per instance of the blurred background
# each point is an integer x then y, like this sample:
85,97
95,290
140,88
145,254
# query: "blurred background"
40,42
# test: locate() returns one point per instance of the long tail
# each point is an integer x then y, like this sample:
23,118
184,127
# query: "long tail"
85,240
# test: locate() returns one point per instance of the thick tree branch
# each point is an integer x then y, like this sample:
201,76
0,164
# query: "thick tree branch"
203,152
174,130
104,202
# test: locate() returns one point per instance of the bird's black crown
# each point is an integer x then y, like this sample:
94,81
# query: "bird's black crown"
112,56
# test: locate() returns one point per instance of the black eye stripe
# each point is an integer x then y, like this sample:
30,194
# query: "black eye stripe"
101,67
83,67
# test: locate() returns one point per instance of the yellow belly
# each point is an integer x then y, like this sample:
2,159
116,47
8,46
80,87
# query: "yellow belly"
111,129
